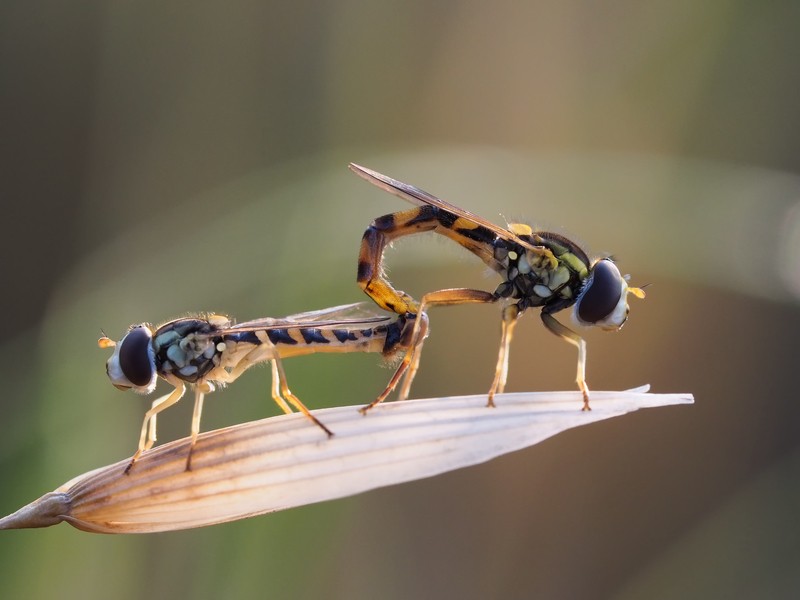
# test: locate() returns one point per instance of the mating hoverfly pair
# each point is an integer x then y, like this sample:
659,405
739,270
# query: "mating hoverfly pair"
538,269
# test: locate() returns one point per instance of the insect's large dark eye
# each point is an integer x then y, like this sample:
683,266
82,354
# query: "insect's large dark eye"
134,356
602,293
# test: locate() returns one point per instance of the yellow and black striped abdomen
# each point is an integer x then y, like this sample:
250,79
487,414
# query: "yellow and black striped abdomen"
309,340
382,231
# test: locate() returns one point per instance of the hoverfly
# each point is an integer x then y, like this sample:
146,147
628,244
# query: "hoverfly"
207,352
539,270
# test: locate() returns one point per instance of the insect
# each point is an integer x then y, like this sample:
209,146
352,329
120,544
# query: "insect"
538,269
210,351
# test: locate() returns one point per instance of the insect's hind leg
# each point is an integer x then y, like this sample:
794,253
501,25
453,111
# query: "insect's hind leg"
280,389
448,297
282,394
413,367
276,389
410,363
256,356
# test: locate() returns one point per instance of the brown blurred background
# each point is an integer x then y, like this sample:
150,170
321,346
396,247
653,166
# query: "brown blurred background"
168,158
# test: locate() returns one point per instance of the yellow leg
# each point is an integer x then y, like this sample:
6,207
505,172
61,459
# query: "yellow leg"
148,427
510,317
566,334
258,356
287,395
276,389
414,366
407,366
280,390
199,394
255,357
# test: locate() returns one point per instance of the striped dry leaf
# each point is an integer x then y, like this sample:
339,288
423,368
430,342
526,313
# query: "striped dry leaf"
282,462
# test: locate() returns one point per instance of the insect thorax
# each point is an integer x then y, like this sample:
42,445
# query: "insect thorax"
552,279
187,349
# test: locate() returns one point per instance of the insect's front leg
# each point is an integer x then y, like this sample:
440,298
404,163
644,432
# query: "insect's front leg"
566,334
148,435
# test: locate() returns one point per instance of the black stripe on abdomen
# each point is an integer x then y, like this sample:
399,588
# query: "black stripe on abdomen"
343,335
314,336
280,336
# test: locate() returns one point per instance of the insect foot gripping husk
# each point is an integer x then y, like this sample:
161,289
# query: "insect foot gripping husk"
280,462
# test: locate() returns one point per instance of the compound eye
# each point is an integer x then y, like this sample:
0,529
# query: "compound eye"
134,356
602,294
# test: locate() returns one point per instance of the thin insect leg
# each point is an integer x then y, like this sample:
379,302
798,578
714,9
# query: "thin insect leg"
151,435
276,389
511,316
405,389
447,297
199,394
255,357
402,368
407,366
146,441
294,400
565,333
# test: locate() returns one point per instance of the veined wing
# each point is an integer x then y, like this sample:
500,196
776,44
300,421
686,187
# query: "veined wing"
356,311
421,197
356,315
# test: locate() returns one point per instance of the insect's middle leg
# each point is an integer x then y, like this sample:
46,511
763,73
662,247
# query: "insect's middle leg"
148,434
511,315
199,394
284,394
279,387
405,389
410,363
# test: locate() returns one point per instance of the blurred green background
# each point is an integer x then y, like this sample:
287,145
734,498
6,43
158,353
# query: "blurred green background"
164,158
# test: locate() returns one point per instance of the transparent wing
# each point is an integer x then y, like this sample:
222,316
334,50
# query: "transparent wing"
366,314
421,197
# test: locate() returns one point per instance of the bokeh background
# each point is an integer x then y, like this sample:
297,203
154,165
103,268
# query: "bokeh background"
164,158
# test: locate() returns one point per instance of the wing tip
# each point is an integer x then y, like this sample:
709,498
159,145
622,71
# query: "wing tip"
363,172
